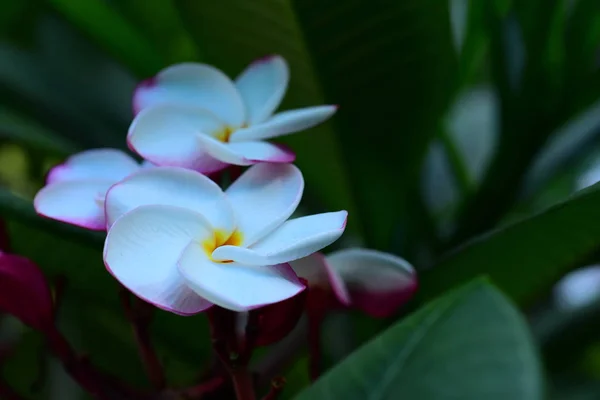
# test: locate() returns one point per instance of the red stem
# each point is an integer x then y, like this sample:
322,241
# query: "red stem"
93,381
242,383
222,326
204,388
277,385
140,315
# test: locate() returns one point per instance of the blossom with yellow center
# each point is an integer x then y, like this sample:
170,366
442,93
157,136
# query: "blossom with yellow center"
192,115
177,240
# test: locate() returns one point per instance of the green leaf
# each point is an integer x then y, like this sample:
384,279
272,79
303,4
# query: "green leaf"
111,31
469,344
525,258
24,131
392,67
17,21
159,22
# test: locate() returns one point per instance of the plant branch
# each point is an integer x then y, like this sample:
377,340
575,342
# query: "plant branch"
277,385
139,314
222,326
98,384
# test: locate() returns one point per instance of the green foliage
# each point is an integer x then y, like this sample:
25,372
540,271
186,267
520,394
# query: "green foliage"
527,257
472,332
397,69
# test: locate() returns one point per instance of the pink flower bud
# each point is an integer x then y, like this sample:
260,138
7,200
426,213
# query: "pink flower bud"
24,292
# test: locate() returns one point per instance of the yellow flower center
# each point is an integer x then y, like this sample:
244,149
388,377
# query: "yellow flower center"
219,239
224,134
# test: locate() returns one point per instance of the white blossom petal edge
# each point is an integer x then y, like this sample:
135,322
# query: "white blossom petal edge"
75,190
192,115
177,238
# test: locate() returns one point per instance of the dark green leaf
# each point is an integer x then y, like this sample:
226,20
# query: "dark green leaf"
111,31
392,67
525,258
469,344
159,22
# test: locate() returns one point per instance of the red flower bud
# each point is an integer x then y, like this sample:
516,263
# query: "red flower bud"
24,292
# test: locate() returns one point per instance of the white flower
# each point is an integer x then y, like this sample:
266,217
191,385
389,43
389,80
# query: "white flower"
375,282
177,240
192,115
75,190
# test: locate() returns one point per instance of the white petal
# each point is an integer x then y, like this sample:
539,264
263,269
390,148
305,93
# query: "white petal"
142,249
175,187
193,84
245,153
78,203
378,282
315,269
168,135
284,123
105,164
262,86
237,287
264,197
294,239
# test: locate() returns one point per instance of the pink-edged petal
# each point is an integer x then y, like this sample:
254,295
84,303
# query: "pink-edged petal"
142,249
315,269
193,84
262,86
245,153
174,187
147,164
106,164
168,135
78,203
284,123
379,283
234,286
264,197
292,240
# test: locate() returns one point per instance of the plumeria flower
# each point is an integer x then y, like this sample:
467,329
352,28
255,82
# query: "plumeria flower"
192,115
374,282
178,241
75,190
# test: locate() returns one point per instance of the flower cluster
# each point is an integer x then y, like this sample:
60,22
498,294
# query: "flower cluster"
176,239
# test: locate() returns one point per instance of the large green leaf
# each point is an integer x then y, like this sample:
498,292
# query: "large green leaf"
525,258
110,30
392,68
160,23
469,344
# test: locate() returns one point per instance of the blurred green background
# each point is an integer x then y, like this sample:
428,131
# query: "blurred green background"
456,118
